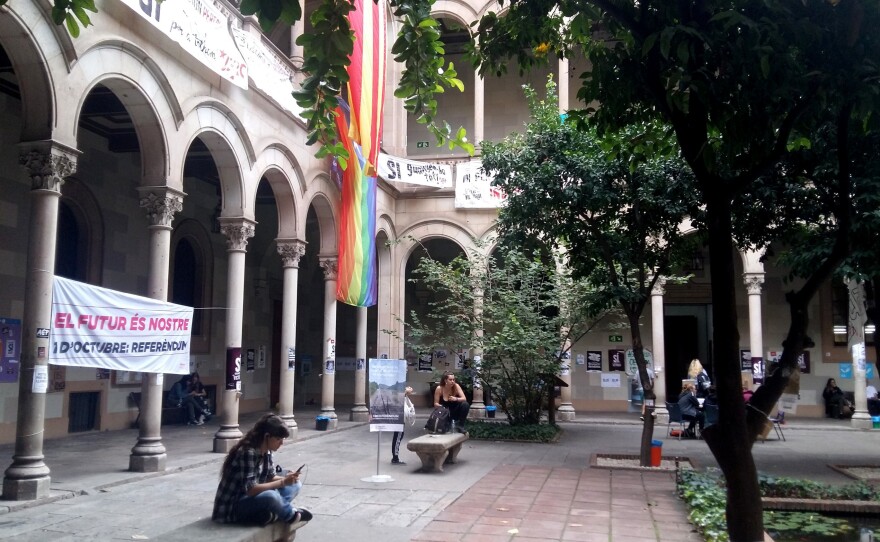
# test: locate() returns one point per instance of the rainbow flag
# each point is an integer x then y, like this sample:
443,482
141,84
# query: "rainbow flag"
359,126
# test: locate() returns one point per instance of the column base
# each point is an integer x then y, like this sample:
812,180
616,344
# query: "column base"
290,422
565,413
861,420
477,412
359,414
26,490
147,463
225,438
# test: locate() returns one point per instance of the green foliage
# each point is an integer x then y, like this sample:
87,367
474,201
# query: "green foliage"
706,498
501,431
509,310
794,488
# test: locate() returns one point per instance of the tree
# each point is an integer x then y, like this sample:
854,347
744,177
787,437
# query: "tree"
519,311
741,82
613,204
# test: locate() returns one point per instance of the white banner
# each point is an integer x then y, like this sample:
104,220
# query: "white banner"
387,384
268,72
392,168
98,327
473,188
201,29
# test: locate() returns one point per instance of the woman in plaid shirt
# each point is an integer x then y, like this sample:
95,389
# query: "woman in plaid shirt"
250,489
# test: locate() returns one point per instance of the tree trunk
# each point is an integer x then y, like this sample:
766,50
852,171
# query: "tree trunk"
647,386
729,439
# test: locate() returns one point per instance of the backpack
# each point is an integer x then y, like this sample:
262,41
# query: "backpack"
439,420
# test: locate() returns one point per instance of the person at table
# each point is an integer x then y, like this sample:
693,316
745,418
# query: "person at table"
450,395
690,409
873,400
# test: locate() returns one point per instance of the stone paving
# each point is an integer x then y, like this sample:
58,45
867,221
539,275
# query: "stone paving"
497,491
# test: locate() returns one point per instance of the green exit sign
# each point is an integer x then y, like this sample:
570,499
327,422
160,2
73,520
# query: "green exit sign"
422,144
615,338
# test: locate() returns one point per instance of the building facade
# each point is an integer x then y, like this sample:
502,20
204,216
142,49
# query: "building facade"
130,163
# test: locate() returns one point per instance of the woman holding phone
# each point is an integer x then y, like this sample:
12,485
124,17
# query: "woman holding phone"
250,489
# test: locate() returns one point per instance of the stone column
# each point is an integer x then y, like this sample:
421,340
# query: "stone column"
328,378
237,232
565,412
562,85
47,165
359,412
753,282
161,204
856,346
479,109
290,250
658,346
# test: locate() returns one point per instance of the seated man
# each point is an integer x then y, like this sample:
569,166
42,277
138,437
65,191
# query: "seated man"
873,400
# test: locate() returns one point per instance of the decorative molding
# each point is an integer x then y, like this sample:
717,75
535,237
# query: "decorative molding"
237,232
48,168
161,205
290,250
659,287
753,282
330,267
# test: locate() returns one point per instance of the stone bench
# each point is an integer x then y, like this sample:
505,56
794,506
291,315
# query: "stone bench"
209,531
435,450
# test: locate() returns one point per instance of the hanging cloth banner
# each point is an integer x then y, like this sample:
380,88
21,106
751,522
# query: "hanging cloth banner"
201,29
473,188
401,170
267,70
387,384
359,127
98,327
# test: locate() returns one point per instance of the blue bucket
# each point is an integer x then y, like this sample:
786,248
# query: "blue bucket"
321,423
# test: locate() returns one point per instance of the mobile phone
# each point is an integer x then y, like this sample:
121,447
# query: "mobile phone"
300,468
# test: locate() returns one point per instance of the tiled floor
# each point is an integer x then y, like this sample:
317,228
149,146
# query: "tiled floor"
529,503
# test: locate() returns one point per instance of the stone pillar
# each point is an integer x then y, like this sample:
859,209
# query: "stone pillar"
359,412
237,232
658,347
478,405
565,412
328,378
856,346
290,250
47,165
753,282
161,204
479,109
562,85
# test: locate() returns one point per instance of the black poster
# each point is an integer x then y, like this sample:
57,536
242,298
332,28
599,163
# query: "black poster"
594,360
745,360
804,362
233,368
616,360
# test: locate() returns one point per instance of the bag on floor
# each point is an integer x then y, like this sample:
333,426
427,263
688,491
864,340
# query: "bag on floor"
439,420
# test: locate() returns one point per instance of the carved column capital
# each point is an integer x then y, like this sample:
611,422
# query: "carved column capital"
237,232
659,287
48,164
330,267
290,250
753,282
161,204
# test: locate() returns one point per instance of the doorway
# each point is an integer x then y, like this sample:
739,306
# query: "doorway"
686,336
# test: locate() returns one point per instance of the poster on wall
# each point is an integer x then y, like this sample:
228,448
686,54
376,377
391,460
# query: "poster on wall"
745,360
387,385
594,360
611,380
233,368
616,360
425,362
10,347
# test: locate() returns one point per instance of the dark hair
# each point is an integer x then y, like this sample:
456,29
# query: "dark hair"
268,425
830,380
445,377
195,375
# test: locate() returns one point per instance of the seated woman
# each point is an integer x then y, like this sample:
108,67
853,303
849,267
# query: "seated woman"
690,409
836,405
250,490
450,395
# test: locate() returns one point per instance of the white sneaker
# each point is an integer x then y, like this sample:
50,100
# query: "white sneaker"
201,419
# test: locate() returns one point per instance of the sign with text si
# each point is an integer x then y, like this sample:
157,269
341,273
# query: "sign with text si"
616,360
